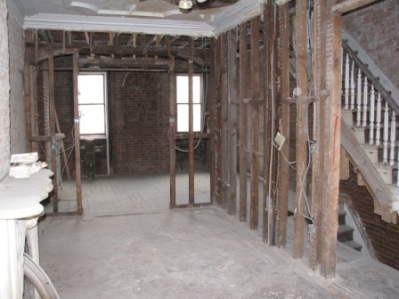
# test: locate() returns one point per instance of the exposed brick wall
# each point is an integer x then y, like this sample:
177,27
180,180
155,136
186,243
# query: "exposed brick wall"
383,236
375,28
139,120
17,105
4,93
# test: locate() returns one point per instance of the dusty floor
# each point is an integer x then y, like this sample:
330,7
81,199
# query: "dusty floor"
192,253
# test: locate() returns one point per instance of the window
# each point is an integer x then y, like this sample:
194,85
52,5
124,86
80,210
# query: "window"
92,103
182,97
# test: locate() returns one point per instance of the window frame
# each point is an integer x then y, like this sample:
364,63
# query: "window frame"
181,104
104,104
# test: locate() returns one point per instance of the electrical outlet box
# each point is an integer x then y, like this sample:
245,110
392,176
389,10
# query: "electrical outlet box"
279,141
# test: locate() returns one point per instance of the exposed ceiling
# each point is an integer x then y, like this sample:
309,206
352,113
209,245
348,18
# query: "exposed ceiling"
141,16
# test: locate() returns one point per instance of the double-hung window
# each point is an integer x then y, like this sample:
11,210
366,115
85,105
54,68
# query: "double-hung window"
92,103
182,100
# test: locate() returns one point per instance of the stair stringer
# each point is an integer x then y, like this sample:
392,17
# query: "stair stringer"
380,192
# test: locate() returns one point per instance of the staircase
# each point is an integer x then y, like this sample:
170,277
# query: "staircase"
369,134
345,232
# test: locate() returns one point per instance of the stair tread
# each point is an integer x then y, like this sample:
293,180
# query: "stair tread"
353,244
344,228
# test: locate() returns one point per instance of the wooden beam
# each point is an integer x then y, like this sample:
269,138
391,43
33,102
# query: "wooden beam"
243,130
190,132
319,84
254,204
232,120
217,132
284,178
333,145
212,125
301,127
53,141
78,174
172,132
224,123
33,103
28,119
346,6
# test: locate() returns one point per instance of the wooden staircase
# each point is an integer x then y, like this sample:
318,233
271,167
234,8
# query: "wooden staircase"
370,135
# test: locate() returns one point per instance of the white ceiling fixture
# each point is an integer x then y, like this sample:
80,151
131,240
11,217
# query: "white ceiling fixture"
205,18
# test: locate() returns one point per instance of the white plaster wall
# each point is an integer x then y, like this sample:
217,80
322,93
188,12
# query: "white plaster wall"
4,93
17,104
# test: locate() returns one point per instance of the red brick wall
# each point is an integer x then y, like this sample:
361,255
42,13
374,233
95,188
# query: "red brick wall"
375,28
383,236
139,120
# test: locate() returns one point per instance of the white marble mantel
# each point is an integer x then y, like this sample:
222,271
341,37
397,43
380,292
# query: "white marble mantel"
19,210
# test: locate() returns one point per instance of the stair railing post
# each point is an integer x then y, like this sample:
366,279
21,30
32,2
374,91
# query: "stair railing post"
386,130
352,86
365,102
392,139
346,91
378,121
359,99
371,115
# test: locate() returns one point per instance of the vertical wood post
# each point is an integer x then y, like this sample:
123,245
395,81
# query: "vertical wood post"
53,141
190,133
217,132
301,127
232,120
78,174
332,152
172,132
224,124
254,211
212,127
284,178
243,136
28,119
319,62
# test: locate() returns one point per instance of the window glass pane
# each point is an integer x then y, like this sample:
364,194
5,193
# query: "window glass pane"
182,89
92,119
91,89
182,118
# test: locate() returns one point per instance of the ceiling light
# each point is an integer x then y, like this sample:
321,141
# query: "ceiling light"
201,1
185,4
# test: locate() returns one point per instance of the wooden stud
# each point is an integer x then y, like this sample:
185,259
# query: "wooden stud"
284,180
32,102
232,120
217,132
243,130
254,203
224,124
78,174
212,127
172,131
301,128
319,67
28,120
190,131
332,152
53,142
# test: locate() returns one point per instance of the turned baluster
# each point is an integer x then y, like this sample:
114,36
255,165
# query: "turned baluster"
352,86
346,91
392,139
365,101
386,131
359,99
378,121
371,115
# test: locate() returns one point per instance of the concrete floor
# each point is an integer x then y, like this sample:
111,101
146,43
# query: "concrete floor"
191,253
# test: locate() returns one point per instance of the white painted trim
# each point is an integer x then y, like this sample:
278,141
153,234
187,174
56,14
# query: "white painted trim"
16,12
236,14
115,24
